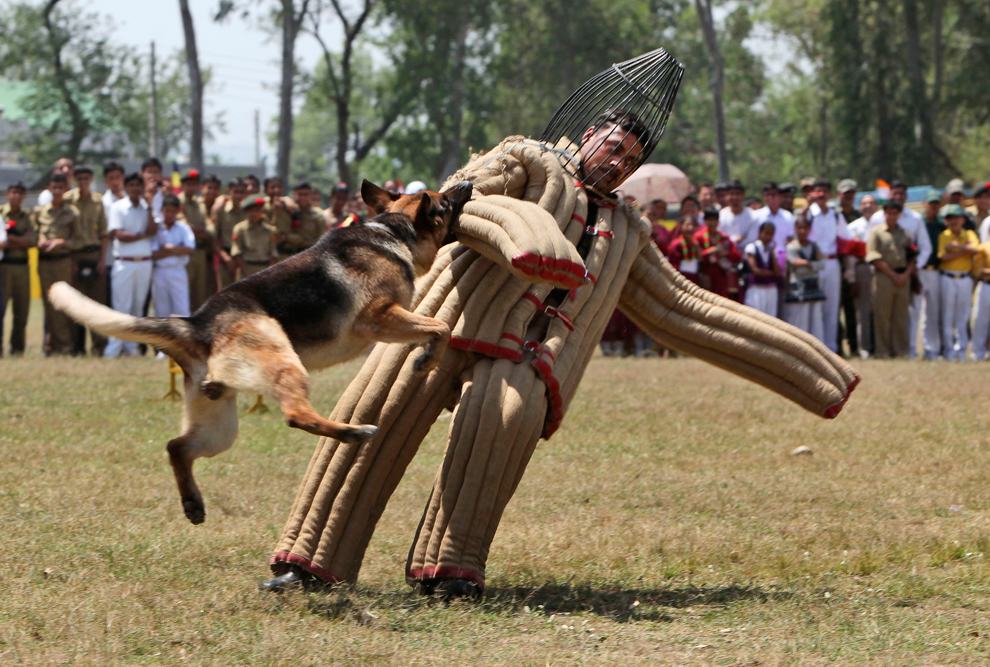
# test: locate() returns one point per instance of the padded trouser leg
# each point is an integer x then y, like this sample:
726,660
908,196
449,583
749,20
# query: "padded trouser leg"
495,428
347,486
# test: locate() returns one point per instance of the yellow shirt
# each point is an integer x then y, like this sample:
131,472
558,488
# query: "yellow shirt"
964,263
981,260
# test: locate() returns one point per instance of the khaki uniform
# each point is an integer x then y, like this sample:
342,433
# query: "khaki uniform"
254,246
199,268
56,223
87,255
890,302
223,228
15,276
300,233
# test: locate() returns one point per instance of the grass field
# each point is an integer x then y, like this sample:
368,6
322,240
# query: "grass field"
666,523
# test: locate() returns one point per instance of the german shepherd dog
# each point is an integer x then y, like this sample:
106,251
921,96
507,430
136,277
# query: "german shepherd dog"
312,310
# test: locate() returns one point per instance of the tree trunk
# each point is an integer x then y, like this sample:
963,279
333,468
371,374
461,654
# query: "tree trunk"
195,87
924,146
884,160
290,30
80,127
704,9
450,156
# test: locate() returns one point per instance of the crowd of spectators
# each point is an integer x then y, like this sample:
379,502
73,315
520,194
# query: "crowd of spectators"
866,275
150,243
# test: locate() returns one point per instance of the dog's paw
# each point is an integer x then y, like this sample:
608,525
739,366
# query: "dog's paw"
358,434
195,510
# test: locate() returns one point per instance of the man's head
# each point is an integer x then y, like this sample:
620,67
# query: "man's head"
955,191
706,195
63,166
688,226
58,184
251,184
982,197
735,193
254,208
274,187
611,149
113,176
133,186
151,171
820,191
787,191
802,228
211,188
84,178
170,209
690,207
657,210
722,194
847,192
190,183
303,193
892,211
771,196
868,206
15,194
711,219
898,192
932,203
236,190
954,216
339,195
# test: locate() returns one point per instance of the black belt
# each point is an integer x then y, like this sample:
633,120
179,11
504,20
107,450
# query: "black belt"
13,260
89,248
257,262
952,274
51,258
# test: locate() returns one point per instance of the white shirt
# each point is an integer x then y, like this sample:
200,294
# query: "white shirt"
45,197
758,249
3,236
180,235
859,229
109,199
132,219
826,229
911,223
740,228
783,222
985,230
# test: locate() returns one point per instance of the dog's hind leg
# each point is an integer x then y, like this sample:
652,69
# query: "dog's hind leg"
209,428
261,358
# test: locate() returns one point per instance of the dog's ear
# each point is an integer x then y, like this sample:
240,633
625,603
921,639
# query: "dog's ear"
377,198
459,194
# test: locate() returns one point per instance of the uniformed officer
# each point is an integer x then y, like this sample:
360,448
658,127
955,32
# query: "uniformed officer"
336,214
888,250
15,278
224,222
89,268
253,242
193,212
57,226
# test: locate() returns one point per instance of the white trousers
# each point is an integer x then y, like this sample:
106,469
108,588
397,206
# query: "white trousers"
830,278
981,327
170,291
806,317
931,284
130,281
956,297
763,298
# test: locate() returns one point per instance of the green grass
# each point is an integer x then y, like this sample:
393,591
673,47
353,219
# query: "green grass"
666,523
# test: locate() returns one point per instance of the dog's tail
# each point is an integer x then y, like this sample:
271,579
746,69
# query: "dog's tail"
174,335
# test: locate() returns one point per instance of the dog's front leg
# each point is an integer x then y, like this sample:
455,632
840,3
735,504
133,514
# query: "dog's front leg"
395,324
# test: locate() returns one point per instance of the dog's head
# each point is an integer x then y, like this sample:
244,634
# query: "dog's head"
434,214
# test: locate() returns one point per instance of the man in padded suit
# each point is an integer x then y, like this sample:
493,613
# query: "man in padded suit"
508,385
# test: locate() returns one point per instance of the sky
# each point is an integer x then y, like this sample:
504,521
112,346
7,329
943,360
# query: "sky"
244,61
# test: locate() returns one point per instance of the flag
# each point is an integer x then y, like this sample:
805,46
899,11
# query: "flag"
176,178
883,190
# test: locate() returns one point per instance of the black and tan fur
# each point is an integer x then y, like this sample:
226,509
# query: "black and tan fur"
310,311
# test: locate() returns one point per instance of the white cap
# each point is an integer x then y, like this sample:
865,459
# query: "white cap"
414,187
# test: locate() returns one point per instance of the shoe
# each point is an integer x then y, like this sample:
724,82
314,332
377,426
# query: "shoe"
295,577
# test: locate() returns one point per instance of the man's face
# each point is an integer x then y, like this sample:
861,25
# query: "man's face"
868,206
64,166
170,213
847,198
609,154
152,175
84,181
190,188
15,197
251,186
787,200
657,210
255,214
955,223
237,193
898,195
134,189
688,225
211,190
735,197
772,199
983,201
115,180
274,189
689,209
956,198
302,197
820,195
931,209
338,199
57,190
891,215
722,198
801,230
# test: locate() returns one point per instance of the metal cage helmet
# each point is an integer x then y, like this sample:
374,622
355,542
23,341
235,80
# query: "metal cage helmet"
634,98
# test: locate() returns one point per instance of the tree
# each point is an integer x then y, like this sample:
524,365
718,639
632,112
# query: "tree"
195,86
704,8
